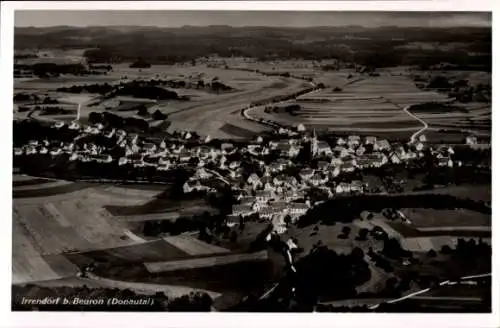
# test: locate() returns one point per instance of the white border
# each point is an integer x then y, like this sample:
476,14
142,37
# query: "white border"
34,319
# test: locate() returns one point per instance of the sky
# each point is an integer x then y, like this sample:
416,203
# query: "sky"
46,18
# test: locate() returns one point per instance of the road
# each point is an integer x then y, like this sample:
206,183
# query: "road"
425,125
443,283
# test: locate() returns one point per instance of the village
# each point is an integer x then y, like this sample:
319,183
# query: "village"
269,191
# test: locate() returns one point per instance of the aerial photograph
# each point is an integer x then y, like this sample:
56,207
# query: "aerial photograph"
252,161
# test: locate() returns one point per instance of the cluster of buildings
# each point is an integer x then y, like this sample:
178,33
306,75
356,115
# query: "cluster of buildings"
272,194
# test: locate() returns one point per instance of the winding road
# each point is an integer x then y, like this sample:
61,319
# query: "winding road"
425,125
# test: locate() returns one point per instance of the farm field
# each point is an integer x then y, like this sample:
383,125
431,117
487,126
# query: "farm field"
54,220
212,261
367,104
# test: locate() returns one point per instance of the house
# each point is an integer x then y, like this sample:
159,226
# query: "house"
263,196
122,161
151,161
18,151
343,187
56,152
43,150
234,165
301,127
268,212
276,167
334,171
418,146
336,161
163,167
254,180
259,140
184,155
371,160
318,179
347,167
290,150
291,244
121,134
279,225
227,148
201,174
109,134
74,126
324,149
370,140
58,124
133,138
422,138
445,161
361,150
382,145
247,200
306,174
344,152
33,143
357,186
341,142
353,140
323,165
394,158
149,147
102,158
191,185
243,210
296,209
471,140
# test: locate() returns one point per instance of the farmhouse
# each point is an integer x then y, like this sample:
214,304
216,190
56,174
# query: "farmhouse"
353,140
382,145
268,212
324,148
254,180
342,187
279,225
370,140
318,179
296,209
357,186
201,174
306,174
323,165
471,140
243,210
58,124
347,167
263,196
190,186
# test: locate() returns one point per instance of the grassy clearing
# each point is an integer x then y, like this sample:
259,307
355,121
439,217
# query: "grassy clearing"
423,217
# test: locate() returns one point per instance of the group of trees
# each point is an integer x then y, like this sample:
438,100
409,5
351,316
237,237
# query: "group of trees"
118,122
46,70
98,88
325,275
349,208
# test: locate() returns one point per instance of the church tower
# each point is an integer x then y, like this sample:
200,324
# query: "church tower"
314,144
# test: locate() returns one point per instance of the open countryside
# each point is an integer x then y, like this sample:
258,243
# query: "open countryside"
333,169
